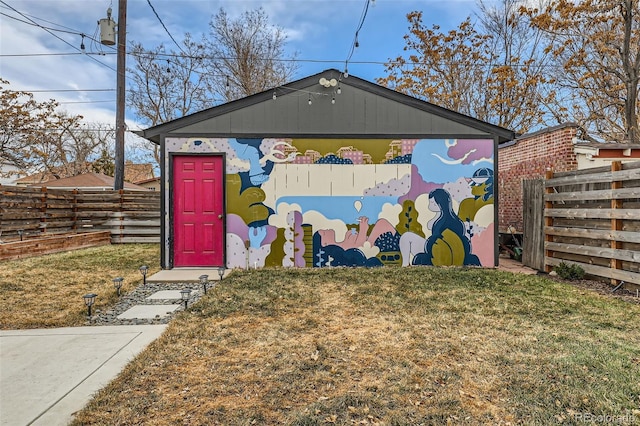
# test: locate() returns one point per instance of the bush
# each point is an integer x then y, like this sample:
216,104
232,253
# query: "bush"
569,271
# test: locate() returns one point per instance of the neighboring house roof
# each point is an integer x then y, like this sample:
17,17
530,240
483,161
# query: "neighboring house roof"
137,172
361,108
141,182
60,172
132,172
608,150
88,181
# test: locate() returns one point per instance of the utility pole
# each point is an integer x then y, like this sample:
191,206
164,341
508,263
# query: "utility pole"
118,182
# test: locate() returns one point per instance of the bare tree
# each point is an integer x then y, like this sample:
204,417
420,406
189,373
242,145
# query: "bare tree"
596,45
241,57
248,55
38,137
495,74
165,85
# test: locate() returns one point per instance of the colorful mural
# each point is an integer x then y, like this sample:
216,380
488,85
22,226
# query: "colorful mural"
347,202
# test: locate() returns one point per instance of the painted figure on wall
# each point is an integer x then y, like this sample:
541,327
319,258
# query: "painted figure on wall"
448,243
335,202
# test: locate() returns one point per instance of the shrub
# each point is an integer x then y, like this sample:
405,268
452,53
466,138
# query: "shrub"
568,271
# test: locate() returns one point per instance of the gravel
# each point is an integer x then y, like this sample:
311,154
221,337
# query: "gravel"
139,297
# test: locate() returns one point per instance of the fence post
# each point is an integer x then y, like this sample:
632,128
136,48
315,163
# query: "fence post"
75,210
548,221
43,209
616,224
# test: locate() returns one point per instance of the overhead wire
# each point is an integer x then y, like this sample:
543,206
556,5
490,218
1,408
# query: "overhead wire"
52,33
68,90
87,102
165,27
355,43
184,55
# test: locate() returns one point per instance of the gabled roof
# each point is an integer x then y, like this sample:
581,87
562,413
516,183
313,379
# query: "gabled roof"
361,109
88,181
132,172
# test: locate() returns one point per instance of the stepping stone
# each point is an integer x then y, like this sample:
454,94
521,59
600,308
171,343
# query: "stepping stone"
148,311
165,295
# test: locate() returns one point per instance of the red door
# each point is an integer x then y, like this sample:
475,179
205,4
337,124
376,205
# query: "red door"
198,200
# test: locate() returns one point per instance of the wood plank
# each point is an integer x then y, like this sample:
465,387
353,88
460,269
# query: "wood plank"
594,234
600,271
135,240
52,244
548,221
603,194
583,213
616,224
604,252
533,220
136,231
606,177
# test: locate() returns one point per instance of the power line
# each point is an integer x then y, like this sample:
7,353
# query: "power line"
71,31
44,20
86,102
68,90
28,55
51,33
355,42
165,27
34,24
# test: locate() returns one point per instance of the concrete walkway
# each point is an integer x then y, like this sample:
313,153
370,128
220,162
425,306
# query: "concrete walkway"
48,374
185,275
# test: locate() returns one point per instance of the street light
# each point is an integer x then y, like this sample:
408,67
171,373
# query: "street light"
143,270
204,280
117,284
184,294
89,300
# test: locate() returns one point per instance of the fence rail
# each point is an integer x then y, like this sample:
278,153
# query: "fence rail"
592,218
129,216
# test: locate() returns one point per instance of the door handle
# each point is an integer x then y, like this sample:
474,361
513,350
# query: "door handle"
219,216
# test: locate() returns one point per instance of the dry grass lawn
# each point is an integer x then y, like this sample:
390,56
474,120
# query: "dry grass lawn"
46,291
385,346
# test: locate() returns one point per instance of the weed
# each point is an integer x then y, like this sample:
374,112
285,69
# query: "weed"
569,271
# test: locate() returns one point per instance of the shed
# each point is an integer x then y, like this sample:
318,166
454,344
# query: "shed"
326,171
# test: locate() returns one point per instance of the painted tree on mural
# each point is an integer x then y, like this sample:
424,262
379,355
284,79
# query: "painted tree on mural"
495,73
596,47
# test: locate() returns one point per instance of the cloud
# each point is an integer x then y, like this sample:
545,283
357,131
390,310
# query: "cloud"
468,151
279,219
318,221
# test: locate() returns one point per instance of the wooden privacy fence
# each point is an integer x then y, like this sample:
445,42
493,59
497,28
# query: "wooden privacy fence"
592,218
533,223
129,216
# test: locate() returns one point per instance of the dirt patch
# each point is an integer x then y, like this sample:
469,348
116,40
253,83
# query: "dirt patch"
602,288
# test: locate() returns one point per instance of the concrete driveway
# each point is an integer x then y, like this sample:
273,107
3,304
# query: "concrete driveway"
46,375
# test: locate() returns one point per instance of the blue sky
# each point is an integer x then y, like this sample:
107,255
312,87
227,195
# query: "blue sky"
321,32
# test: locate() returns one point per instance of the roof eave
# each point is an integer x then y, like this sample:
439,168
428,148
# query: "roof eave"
154,133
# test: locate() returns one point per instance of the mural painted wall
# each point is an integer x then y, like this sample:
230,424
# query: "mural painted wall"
348,202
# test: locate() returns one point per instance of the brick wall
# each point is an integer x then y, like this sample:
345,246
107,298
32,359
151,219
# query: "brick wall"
529,157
